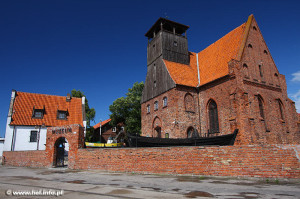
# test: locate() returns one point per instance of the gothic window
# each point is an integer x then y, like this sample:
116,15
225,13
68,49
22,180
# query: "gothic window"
260,71
245,70
254,28
266,52
280,106
261,107
165,101
189,103
213,117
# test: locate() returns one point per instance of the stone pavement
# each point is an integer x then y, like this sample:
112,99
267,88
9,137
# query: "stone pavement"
99,184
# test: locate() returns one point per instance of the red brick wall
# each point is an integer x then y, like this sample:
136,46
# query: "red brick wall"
25,158
277,161
174,111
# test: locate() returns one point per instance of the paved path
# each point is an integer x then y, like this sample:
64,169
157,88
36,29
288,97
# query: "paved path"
98,184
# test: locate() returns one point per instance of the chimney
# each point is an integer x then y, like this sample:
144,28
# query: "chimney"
68,98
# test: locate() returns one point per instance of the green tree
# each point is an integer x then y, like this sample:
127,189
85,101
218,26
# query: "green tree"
127,109
89,112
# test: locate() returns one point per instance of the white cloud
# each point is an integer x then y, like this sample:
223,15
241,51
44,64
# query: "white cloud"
296,76
296,98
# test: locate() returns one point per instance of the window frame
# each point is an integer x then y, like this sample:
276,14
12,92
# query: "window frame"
32,137
156,105
59,112
165,101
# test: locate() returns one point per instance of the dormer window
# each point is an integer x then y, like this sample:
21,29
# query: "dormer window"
62,115
38,113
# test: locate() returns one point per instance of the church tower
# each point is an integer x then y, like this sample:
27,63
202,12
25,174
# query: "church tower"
166,41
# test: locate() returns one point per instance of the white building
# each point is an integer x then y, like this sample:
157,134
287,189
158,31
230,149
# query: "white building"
30,114
1,146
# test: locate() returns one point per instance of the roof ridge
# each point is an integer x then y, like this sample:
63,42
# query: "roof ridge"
44,94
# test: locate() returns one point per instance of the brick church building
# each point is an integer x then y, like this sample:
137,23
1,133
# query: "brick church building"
232,84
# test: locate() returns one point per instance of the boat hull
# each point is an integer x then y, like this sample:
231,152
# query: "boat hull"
102,145
222,140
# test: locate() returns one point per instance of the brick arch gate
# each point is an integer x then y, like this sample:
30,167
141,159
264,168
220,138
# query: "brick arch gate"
73,133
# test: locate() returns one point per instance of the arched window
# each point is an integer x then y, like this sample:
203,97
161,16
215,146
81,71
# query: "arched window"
261,107
249,46
165,102
260,71
213,117
156,105
189,103
148,108
245,70
280,105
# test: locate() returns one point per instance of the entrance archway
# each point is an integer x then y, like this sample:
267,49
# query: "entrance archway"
61,152
156,127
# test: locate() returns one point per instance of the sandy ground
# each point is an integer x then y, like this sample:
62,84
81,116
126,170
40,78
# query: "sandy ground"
98,184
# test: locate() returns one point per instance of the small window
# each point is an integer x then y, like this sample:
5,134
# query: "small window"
33,136
254,28
175,43
122,128
62,115
261,107
154,84
165,101
245,70
280,109
156,105
114,129
167,135
266,52
249,46
153,45
148,108
38,113
260,71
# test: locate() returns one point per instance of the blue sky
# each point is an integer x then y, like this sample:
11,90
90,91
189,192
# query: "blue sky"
99,47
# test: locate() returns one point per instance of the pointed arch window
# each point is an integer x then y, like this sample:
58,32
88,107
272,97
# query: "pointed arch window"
189,103
213,117
280,106
245,70
260,71
261,107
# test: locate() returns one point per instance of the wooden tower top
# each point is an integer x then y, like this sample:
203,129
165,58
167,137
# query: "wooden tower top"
168,26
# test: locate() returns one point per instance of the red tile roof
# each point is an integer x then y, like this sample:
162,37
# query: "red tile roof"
25,102
102,123
213,60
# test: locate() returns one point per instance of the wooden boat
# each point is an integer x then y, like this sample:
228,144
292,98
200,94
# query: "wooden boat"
102,145
141,141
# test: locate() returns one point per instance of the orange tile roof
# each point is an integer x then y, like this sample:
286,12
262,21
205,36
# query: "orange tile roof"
24,103
102,123
213,60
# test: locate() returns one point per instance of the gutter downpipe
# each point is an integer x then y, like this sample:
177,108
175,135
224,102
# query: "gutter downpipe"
198,92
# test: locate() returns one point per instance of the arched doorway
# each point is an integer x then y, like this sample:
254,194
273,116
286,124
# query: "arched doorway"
61,152
158,131
190,132
156,128
213,117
